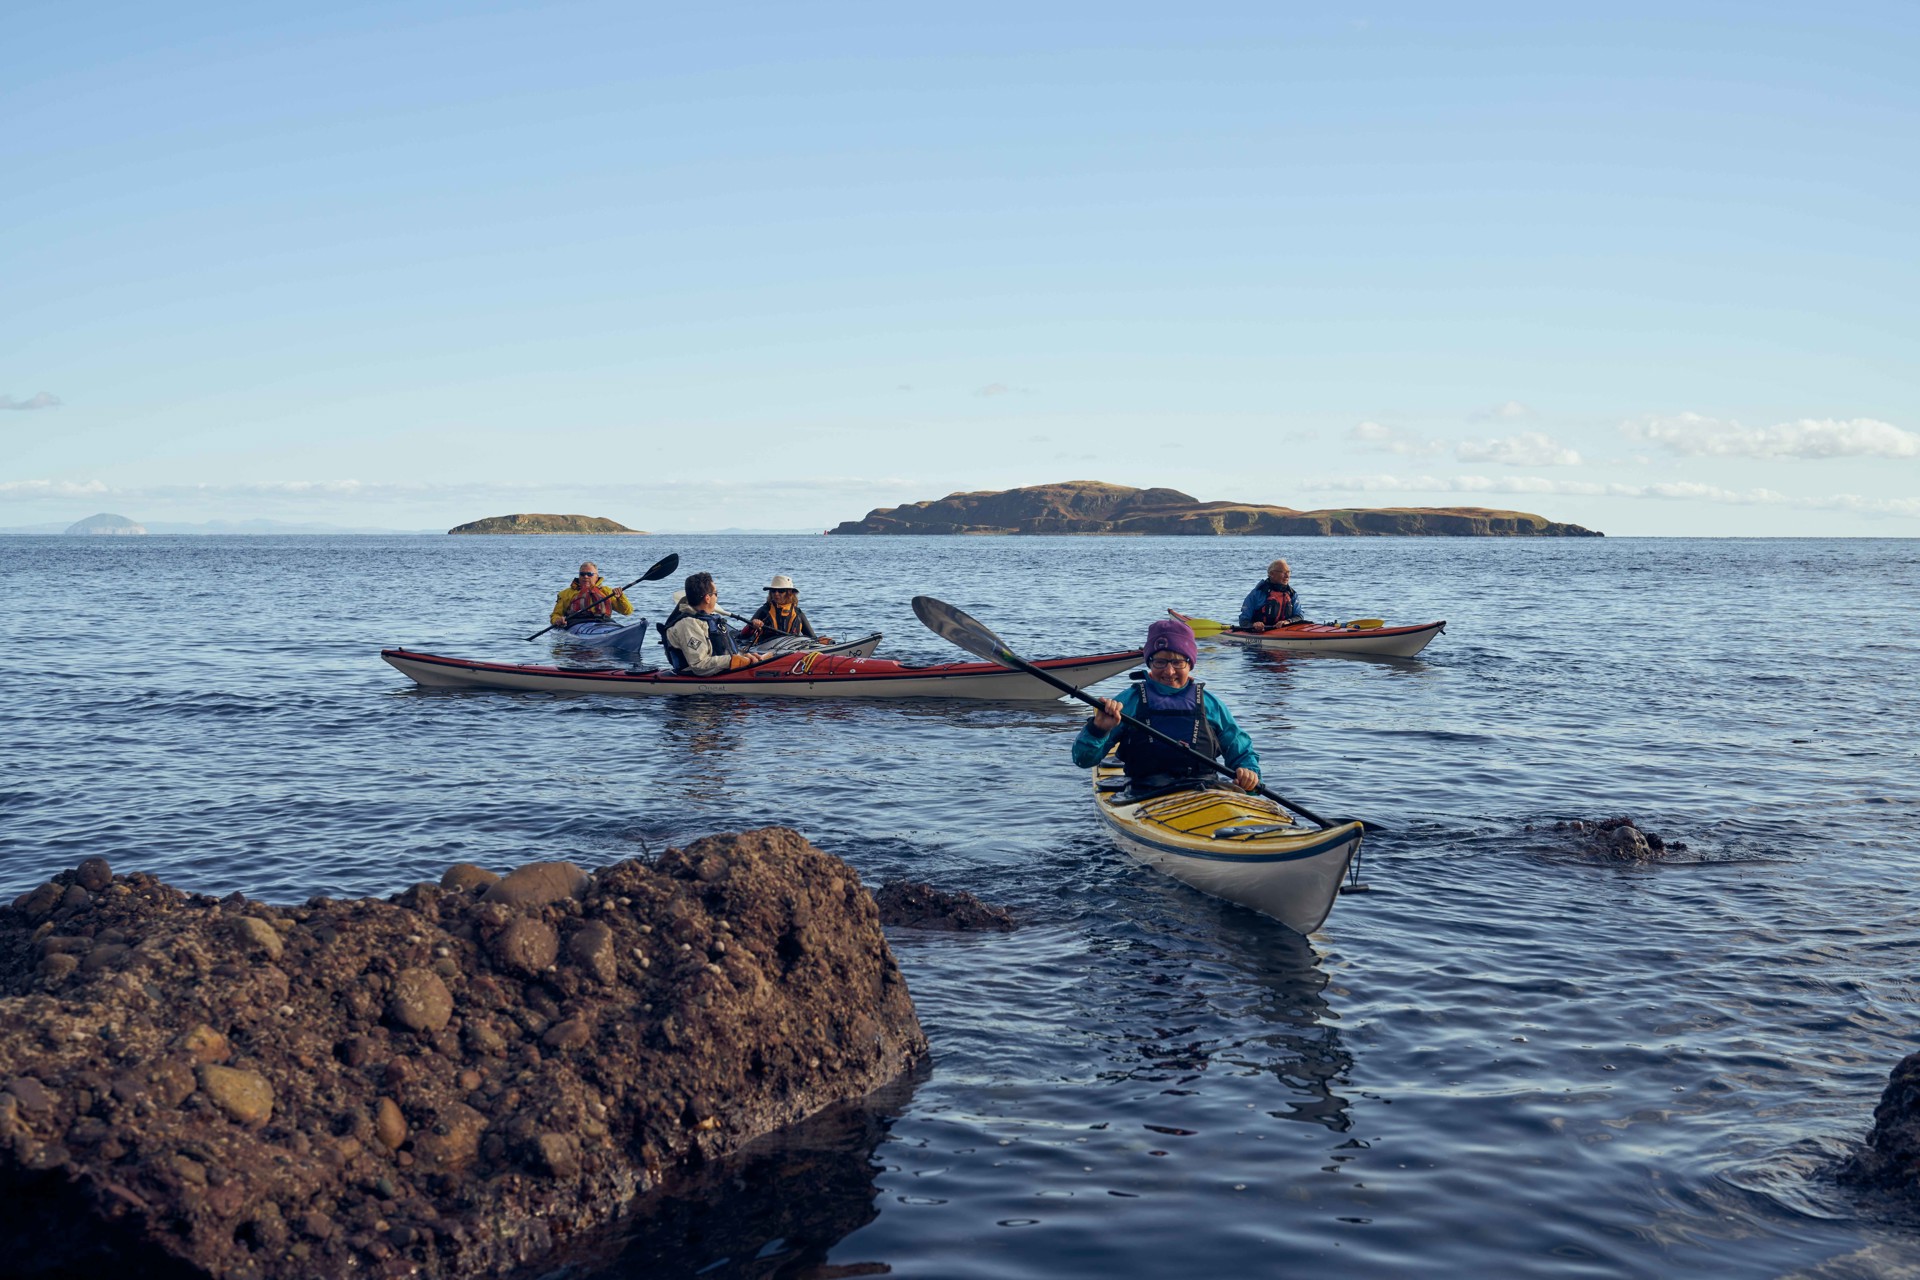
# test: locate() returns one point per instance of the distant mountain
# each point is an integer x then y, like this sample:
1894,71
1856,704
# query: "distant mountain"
535,523
106,524
1091,506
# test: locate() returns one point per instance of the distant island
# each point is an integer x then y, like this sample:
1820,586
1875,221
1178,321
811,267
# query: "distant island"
535,523
1090,506
105,524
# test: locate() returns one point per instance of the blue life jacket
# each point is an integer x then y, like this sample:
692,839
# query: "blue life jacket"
1181,716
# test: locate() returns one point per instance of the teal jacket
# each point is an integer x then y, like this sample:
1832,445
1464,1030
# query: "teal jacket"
1091,747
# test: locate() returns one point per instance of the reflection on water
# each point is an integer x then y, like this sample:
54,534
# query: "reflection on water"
774,1209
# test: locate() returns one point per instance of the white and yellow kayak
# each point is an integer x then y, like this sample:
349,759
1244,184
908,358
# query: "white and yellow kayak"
1233,845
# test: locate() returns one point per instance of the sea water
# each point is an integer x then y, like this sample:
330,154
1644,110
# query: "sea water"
1511,1057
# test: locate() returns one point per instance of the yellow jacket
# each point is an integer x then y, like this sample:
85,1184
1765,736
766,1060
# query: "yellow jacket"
564,603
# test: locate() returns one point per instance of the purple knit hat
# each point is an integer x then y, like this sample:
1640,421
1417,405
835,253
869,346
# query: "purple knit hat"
1174,636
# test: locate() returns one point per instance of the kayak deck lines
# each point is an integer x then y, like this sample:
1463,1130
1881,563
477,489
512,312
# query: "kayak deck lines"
1232,845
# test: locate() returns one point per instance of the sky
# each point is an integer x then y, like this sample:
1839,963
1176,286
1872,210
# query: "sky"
1650,268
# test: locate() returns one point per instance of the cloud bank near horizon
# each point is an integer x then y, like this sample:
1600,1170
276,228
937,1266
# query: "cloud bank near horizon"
1694,435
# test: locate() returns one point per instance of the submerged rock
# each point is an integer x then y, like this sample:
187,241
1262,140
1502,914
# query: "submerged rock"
432,1085
1891,1158
920,906
1619,838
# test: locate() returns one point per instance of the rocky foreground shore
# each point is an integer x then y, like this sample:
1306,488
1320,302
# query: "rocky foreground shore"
445,1083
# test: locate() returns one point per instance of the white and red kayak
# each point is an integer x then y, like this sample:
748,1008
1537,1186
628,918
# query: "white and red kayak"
1321,637
799,675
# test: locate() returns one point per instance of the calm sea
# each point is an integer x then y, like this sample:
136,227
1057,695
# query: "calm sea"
1508,1059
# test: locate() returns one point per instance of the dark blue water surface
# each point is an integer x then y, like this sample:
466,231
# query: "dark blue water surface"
1510,1058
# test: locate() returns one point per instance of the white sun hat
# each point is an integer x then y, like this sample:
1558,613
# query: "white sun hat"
781,582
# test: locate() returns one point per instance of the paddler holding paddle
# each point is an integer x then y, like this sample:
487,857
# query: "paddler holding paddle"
1272,600
1175,704
586,597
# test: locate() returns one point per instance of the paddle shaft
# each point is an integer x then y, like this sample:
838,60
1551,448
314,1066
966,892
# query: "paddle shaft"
659,570
1009,658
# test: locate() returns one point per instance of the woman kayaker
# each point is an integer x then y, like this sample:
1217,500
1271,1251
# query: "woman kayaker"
587,597
1173,702
697,638
1272,600
781,615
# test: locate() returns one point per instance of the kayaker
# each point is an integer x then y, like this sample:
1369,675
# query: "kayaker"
587,597
1272,601
781,615
696,636
1173,702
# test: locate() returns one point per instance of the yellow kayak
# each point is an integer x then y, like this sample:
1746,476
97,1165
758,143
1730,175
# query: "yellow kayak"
1233,845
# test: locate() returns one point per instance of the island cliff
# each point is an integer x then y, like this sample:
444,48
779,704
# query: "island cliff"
533,522
1090,506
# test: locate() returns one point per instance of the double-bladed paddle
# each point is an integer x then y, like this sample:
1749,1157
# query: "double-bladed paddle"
972,635
659,570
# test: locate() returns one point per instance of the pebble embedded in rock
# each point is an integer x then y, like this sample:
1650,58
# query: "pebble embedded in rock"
539,883
255,934
32,1095
574,1033
593,949
452,1141
389,1125
526,947
559,1154
245,1096
420,1001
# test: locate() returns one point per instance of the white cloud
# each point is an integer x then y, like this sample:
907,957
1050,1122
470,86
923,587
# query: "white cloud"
1505,411
1695,435
295,490
1670,491
1526,449
44,400
1376,438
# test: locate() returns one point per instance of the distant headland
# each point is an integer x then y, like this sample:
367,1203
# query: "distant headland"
105,524
1093,507
536,523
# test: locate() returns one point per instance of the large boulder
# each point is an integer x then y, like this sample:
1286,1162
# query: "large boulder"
399,1089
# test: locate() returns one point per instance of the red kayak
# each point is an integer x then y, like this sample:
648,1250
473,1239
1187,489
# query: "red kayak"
799,675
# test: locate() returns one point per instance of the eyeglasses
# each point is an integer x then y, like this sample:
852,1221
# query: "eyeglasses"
589,573
1168,660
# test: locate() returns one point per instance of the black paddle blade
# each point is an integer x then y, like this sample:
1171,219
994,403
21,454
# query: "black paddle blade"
962,629
661,569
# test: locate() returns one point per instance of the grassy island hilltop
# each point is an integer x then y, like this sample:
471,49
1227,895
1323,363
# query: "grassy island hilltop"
1094,507
525,522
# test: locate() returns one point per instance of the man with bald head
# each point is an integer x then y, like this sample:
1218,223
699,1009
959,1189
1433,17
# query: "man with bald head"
1272,601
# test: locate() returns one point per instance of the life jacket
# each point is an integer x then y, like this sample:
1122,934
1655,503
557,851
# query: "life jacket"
588,602
1279,606
1181,716
776,620
719,635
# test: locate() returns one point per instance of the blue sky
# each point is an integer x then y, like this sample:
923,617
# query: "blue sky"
404,265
